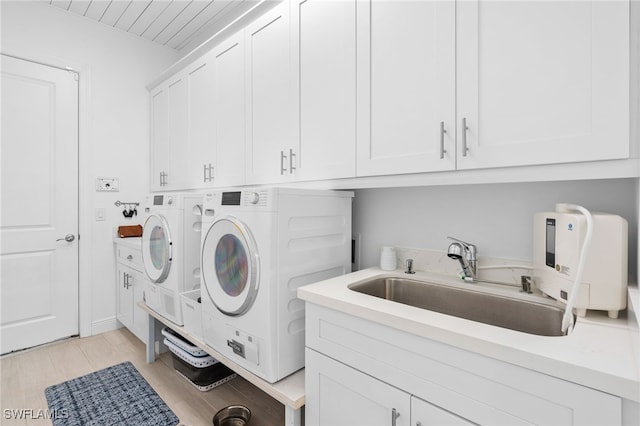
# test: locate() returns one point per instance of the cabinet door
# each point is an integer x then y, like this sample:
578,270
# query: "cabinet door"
542,82
270,142
406,87
125,284
159,137
201,117
140,319
229,95
339,395
324,46
425,414
178,128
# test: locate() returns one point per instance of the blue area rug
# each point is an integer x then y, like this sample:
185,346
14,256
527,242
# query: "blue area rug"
117,395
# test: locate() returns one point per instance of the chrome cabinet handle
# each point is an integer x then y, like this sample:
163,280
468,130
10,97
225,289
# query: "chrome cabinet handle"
68,238
207,172
442,132
282,158
394,416
127,284
465,148
291,155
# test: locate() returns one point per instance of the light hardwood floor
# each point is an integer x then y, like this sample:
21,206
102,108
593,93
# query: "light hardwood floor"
25,375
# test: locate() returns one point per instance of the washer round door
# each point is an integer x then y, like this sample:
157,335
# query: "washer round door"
156,248
230,265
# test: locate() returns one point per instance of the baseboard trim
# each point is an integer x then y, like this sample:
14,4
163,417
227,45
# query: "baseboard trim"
104,325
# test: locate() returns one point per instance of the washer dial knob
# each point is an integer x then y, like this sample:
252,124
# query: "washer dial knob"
253,197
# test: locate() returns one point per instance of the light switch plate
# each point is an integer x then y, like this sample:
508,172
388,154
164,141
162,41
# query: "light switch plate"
107,184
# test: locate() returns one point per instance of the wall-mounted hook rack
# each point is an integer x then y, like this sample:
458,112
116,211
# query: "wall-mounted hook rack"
130,209
120,203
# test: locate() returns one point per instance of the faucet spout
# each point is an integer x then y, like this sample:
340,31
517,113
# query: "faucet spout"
464,253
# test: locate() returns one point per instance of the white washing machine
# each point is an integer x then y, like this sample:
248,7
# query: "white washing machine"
171,250
258,247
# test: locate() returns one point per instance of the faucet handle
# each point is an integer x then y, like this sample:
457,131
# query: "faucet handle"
409,267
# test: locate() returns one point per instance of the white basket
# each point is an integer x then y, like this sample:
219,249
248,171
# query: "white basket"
184,345
192,312
196,361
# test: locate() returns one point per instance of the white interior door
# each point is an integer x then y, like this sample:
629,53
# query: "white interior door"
39,213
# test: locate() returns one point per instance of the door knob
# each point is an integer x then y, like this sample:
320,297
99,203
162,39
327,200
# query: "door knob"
68,238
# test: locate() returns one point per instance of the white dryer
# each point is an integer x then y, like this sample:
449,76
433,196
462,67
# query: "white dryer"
171,250
258,247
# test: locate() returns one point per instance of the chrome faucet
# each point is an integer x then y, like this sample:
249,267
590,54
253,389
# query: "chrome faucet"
465,253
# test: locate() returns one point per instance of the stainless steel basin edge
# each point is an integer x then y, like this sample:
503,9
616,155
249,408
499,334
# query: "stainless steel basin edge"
515,313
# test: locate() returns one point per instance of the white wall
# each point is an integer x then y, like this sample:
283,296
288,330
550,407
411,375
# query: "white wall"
114,70
496,217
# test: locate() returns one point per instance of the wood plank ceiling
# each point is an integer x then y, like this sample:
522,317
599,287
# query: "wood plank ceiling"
177,24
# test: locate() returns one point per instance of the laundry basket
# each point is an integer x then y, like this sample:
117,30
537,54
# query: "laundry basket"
195,365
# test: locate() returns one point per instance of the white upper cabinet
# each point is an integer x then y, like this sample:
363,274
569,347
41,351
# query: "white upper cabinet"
159,146
316,90
169,124
324,48
542,82
272,149
406,87
198,123
178,124
229,111
200,132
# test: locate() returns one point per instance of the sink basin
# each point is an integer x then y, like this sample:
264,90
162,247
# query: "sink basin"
512,313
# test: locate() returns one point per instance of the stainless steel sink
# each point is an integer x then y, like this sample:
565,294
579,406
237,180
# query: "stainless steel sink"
512,313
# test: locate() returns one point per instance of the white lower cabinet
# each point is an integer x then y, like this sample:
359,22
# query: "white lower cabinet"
343,396
358,372
131,282
348,397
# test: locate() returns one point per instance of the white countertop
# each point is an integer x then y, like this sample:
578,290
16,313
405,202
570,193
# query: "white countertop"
600,353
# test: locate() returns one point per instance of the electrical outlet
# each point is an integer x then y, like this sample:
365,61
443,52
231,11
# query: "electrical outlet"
107,185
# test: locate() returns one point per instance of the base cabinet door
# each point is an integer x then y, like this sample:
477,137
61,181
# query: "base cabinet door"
131,284
125,295
338,395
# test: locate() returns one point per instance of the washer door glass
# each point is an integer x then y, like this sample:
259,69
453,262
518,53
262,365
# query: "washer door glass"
156,248
230,266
